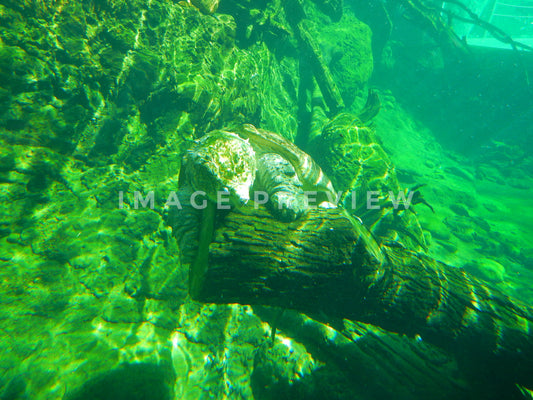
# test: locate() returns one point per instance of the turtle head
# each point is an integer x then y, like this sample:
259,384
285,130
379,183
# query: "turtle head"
222,163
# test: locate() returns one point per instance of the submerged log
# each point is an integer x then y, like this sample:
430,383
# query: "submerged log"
325,263
322,74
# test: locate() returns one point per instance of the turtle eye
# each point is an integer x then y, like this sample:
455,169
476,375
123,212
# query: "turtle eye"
289,172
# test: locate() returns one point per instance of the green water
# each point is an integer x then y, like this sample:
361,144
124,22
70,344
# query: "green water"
102,105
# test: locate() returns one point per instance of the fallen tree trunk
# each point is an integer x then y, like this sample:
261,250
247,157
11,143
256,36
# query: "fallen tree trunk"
312,54
331,93
323,264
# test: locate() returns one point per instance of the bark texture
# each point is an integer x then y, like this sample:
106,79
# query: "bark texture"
327,263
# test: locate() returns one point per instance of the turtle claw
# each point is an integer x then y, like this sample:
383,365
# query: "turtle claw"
418,198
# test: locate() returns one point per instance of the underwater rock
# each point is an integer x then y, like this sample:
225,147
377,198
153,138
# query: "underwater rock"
358,366
464,198
490,173
437,228
346,48
271,377
344,140
206,6
527,256
7,159
325,81
350,153
481,223
510,249
121,309
462,227
213,350
185,224
519,183
460,172
448,245
492,207
460,210
332,8
487,269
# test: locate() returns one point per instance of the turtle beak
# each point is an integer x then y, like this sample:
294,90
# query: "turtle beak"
235,196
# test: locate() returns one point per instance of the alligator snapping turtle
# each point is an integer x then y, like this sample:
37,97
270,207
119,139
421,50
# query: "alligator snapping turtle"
255,160
237,164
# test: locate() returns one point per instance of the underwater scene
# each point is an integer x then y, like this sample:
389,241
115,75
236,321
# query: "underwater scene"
266,199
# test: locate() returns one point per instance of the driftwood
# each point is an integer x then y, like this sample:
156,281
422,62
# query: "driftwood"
324,263
312,54
322,74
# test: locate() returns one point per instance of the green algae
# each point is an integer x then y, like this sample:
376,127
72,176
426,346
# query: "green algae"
102,97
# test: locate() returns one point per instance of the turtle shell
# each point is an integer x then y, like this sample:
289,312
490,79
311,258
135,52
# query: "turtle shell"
309,172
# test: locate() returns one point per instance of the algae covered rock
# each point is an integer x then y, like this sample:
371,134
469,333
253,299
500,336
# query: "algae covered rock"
347,50
332,8
462,227
272,378
437,228
487,269
349,152
115,81
206,6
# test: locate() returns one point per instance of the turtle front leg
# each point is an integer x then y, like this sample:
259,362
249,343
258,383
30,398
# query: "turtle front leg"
198,269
